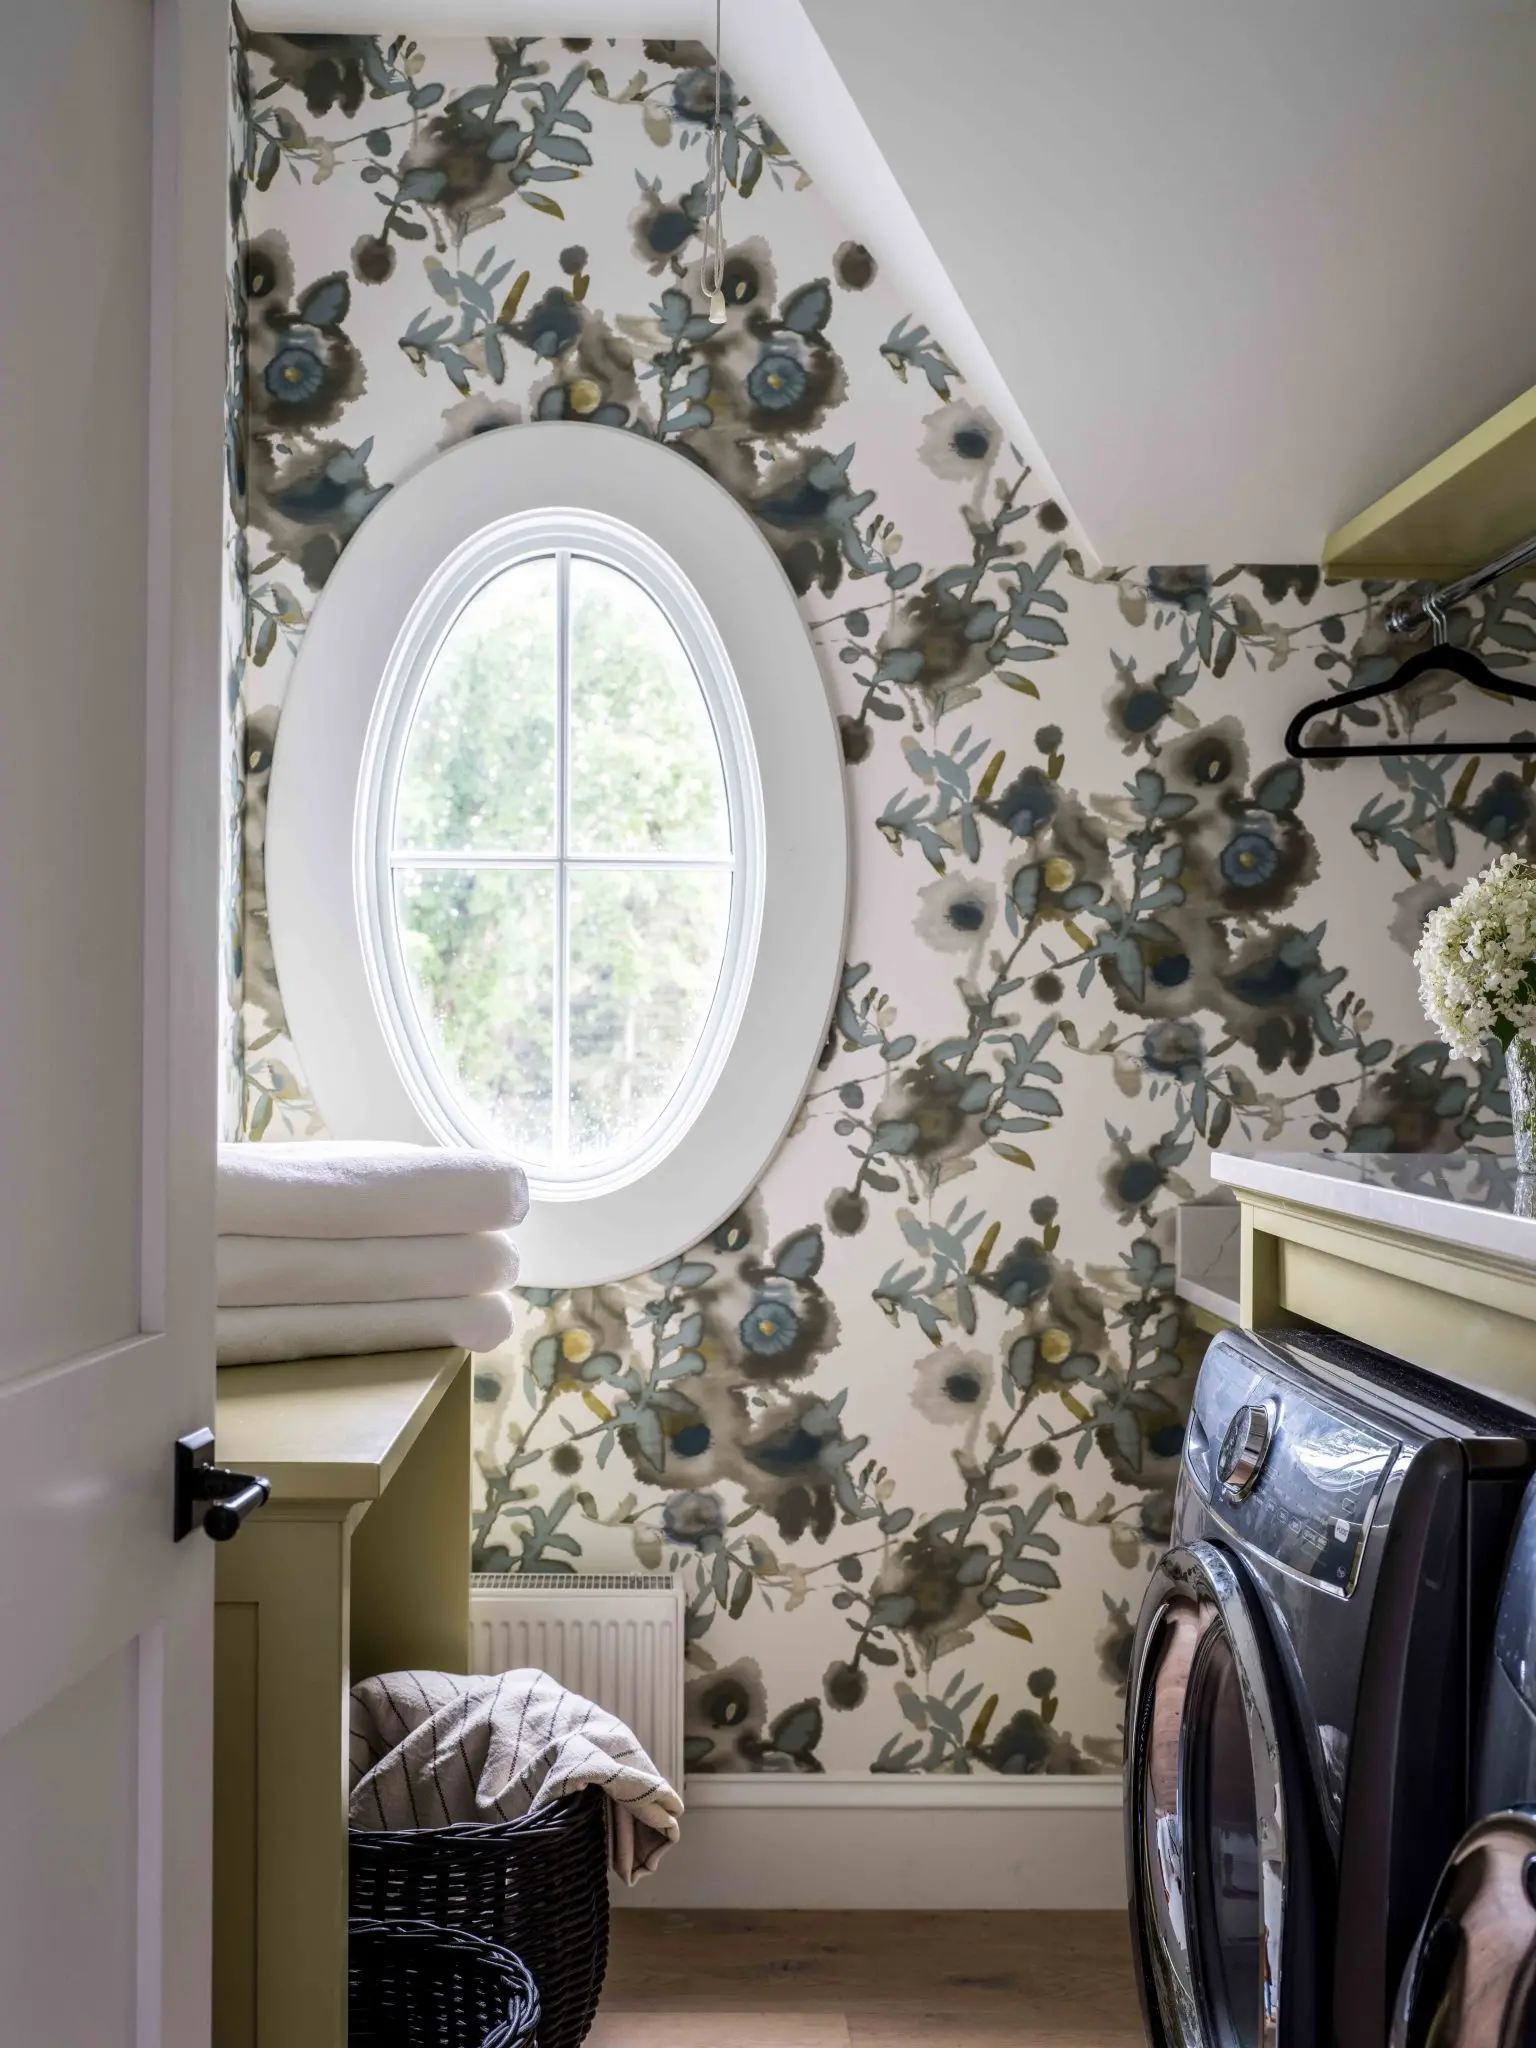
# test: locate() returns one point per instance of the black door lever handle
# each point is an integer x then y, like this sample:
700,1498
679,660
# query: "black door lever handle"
231,1496
225,1497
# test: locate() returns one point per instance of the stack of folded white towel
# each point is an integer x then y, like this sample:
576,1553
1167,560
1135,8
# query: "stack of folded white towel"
327,1248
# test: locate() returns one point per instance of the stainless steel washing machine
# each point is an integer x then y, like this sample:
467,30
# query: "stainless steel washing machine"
1304,1686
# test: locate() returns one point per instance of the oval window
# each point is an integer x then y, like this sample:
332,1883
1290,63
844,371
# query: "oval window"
560,887
556,849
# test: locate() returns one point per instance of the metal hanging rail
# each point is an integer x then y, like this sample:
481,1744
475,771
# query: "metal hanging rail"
1408,616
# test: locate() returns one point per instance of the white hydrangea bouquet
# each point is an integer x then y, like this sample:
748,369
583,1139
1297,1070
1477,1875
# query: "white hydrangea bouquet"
1477,980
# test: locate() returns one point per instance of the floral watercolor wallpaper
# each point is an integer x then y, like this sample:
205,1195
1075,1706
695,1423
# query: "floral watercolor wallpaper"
911,1418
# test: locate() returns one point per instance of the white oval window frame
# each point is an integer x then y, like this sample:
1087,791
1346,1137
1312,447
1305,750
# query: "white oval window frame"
526,537
321,836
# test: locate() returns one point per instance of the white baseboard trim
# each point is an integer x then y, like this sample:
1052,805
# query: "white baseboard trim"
777,1790
822,1843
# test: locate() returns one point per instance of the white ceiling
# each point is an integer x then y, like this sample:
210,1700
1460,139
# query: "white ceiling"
1243,266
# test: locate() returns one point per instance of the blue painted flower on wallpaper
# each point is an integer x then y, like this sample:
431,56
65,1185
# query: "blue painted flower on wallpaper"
693,95
961,444
1028,1744
1175,1046
777,381
1212,758
694,1519
1281,580
1276,996
691,1439
1138,706
303,369
1022,1275
769,1327
1266,853
1250,858
1169,967
973,440
1134,1178
296,373
929,1115
662,228
1502,810
796,1458
956,913
1026,806
724,1716
726,1725
329,70
1418,1100
953,1386
552,325
929,1593
1064,1341
312,502
595,381
682,110
793,377
1185,926
1187,586
809,511
747,275
309,495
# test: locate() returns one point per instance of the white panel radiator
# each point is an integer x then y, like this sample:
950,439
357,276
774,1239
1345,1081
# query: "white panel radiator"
616,1639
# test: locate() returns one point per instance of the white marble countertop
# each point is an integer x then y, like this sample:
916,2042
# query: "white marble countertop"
1456,1198
1208,1257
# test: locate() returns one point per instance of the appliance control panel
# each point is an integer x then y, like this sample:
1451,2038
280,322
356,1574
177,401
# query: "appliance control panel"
1294,1478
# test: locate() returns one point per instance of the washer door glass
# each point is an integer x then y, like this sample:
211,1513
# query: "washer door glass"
1209,1811
1223,1837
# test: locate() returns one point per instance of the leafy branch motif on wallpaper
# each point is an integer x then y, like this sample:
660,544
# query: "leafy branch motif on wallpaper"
912,1416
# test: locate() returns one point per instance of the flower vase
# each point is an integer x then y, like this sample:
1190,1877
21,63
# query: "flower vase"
1520,1077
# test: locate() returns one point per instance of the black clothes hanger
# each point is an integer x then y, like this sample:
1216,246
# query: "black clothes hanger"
1458,660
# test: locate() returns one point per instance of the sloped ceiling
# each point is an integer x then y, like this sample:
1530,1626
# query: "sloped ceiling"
1228,270
1244,266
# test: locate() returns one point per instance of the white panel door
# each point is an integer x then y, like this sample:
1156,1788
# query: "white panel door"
112,182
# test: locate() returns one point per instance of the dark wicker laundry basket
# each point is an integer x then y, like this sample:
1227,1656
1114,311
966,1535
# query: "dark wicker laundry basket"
537,1886
411,1985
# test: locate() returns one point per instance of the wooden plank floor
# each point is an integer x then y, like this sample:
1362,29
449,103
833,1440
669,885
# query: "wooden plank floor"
869,1980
